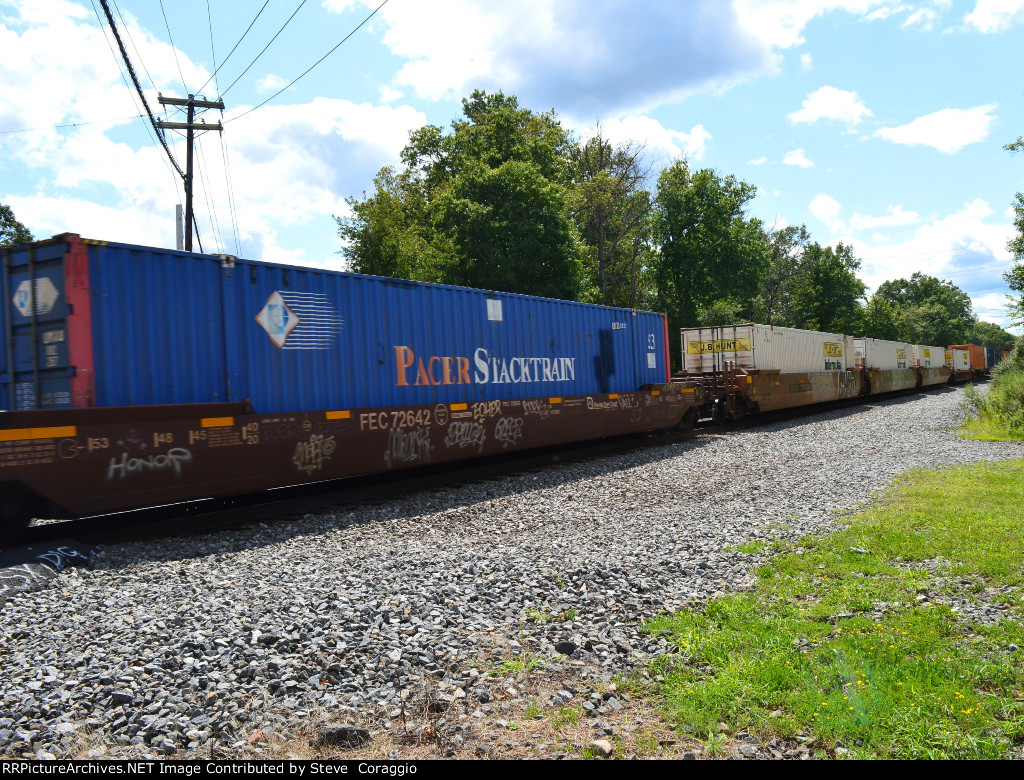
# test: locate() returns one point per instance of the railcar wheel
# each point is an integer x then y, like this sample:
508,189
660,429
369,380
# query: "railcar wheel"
15,513
718,411
739,408
689,420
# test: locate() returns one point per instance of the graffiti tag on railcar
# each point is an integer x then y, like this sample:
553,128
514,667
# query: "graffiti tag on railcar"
484,410
310,455
508,430
408,445
466,434
535,406
169,462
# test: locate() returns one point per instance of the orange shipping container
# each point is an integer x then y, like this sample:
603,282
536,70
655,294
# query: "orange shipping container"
977,354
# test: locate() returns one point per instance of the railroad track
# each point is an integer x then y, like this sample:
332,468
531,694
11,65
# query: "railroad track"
221,514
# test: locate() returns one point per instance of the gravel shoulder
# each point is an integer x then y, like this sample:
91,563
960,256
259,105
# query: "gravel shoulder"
438,619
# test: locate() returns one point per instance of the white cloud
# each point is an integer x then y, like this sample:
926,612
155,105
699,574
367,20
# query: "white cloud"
288,162
780,23
991,307
797,157
993,16
922,18
897,217
833,104
271,83
965,247
759,161
588,57
884,12
806,61
948,130
826,208
390,95
662,144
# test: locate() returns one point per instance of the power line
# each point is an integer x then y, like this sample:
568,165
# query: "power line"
234,47
264,49
138,87
73,124
213,54
149,129
173,47
354,31
131,40
231,194
218,235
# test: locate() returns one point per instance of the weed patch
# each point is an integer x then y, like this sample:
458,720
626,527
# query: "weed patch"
855,639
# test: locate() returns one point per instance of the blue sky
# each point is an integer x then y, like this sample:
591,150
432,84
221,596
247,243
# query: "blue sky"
873,122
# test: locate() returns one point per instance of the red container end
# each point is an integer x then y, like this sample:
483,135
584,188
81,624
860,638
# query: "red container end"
977,354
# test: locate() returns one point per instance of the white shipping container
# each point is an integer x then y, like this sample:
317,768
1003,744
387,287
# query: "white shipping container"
881,354
929,357
959,359
754,347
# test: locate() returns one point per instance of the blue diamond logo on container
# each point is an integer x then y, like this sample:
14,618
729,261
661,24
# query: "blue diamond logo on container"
45,297
277,319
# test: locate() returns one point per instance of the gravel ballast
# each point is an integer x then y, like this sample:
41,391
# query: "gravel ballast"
170,647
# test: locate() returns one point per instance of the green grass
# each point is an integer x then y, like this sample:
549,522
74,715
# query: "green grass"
750,548
567,716
804,652
518,664
985,427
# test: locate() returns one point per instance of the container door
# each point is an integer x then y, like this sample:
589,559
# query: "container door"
35,370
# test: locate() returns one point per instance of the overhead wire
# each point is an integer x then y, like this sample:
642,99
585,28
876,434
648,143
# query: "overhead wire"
293,81
227,175
174,48
263,49
149,129
231,194
74,124
138,54
225,60
210,204
135,80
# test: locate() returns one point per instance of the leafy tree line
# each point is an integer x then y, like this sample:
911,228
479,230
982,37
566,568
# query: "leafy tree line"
12,232
506,199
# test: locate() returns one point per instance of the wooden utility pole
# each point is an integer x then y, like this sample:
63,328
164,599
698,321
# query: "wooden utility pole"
190,127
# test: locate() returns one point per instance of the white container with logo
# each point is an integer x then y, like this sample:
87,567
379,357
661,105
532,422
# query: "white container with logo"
753,347
958,359
881,354
928,357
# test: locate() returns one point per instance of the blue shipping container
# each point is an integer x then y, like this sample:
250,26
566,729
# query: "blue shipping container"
104,324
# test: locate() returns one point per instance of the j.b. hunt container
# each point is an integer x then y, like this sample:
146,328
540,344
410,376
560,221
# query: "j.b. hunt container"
928,357
103,324
881,354
958,359
752,347
889,364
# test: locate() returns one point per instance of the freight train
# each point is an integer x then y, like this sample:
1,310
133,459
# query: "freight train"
136,377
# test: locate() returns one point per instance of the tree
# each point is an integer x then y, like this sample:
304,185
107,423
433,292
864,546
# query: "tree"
483,205
990,335
611,206
12,232
709,251
389,235
1015,276
826,291
931,311
784,252
881,319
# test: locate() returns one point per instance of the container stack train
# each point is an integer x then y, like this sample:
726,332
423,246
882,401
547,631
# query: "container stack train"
137,377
